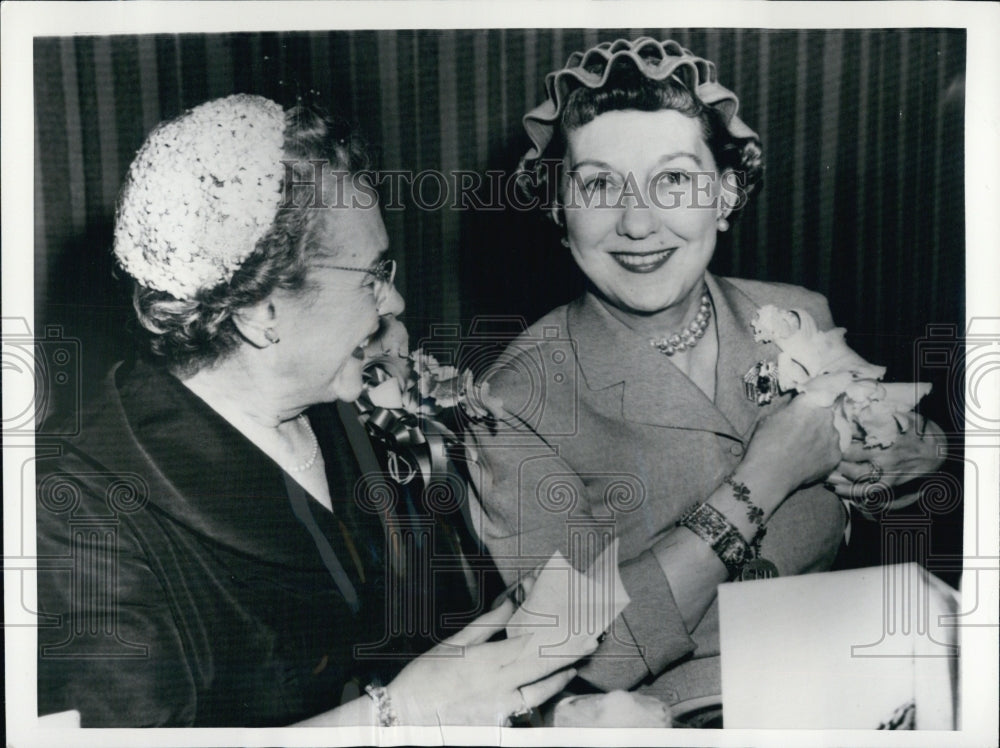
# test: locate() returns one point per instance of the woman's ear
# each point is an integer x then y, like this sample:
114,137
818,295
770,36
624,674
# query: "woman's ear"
556,214
258,324
729,193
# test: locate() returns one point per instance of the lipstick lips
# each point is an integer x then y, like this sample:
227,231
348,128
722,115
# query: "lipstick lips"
643,262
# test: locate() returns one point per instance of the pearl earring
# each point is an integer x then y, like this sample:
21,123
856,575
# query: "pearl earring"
722,223
565,242
271,335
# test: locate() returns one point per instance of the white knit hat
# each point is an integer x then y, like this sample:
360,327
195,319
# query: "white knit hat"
202,191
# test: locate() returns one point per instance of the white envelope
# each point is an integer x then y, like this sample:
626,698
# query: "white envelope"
567,609
852,649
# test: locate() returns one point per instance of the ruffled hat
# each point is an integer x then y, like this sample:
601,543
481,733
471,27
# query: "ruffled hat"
201,192
655,60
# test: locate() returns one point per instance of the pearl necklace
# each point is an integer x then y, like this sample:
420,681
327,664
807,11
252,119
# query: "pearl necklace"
302,467
687,338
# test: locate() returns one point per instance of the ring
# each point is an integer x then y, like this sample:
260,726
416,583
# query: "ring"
876,473
517,596
525,710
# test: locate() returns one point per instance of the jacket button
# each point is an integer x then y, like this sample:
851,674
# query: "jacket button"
736,449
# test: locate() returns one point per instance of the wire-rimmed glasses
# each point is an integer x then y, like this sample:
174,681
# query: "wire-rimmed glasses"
383,271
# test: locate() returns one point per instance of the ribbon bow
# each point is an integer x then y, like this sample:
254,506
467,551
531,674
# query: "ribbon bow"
414,444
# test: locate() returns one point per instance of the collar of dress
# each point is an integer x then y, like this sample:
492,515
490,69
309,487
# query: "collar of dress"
655,391
200,470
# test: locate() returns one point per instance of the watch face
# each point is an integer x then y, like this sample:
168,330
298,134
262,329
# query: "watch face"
758,568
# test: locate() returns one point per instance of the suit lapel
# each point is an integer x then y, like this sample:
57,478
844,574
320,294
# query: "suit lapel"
737,354
655,392
179,448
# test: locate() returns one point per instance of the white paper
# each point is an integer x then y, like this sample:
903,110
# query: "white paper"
566,609
845,649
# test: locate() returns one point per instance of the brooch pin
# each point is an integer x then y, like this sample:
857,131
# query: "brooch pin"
760,383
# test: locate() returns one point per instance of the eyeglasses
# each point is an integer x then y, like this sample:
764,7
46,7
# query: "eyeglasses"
383,271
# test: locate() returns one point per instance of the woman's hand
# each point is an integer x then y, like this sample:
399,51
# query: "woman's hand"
468,680
916,451
792,447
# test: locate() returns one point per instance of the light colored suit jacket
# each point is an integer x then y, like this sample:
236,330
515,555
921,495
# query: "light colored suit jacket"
610,438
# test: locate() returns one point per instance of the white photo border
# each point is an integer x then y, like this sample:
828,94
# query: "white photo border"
22,21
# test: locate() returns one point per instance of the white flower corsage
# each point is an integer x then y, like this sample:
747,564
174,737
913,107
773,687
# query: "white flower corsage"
820,365
412,405
422,387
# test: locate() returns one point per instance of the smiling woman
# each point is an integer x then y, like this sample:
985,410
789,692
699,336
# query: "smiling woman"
646,376
625,248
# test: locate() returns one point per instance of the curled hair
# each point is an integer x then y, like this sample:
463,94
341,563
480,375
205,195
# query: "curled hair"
628,89
188,335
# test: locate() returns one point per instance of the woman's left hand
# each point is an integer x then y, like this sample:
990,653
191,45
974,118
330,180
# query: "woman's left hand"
917,451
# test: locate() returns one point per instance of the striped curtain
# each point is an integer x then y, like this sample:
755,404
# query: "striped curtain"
863,135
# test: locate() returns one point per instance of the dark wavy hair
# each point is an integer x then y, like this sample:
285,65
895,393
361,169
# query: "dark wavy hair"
628,89
188,335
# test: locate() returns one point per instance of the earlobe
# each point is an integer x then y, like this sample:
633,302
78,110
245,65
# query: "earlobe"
726,202
728,194
258,324
556,214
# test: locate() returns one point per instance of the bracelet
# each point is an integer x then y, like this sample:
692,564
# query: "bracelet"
757,567
754,513
386,714
709,524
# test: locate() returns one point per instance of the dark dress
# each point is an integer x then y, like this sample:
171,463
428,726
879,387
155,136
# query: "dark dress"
186,580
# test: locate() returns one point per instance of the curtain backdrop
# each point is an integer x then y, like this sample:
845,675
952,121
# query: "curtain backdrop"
863,136
863,198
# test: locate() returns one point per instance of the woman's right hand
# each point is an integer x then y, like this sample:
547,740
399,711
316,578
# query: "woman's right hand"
792,447
467,680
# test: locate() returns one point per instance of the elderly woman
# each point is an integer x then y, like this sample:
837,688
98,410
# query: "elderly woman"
627,411
218,568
